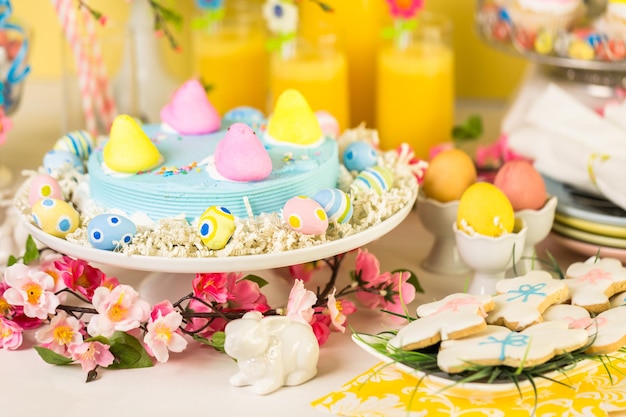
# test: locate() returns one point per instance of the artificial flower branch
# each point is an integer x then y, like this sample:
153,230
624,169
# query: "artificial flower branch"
113,327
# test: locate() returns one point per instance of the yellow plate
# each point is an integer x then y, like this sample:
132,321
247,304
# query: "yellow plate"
613,242
591,227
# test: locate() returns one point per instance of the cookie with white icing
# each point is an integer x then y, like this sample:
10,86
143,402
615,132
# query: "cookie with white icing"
606,330
521,301
453,317
593,282
497,345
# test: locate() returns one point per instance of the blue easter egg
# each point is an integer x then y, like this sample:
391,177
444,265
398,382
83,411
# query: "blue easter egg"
376,178
110,231
244,114
359,156
56,160
55,217
78,142
335,203
216,226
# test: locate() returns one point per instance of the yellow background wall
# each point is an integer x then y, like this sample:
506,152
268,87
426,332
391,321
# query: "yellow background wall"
481,71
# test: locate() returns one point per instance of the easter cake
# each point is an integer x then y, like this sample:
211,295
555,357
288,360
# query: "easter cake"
268,185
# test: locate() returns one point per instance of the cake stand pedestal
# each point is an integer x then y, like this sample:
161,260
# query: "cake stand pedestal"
6,177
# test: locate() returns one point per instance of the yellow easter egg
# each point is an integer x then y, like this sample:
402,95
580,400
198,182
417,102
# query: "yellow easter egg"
55,217
216,226
448,175
485,210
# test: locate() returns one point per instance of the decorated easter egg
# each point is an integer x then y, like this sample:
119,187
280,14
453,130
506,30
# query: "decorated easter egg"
44,186
376,178
359,156
56,160
544,42
78,142
55,217
109,231
328,123
305,215
244,114
335,203
216,226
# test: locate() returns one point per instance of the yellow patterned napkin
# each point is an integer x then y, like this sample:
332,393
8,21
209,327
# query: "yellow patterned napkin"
386,391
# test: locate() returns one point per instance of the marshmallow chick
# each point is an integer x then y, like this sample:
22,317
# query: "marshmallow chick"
190,112
240,155
293,121
129,149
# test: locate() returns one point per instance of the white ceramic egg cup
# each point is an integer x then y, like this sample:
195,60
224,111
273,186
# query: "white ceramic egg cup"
436,217
490,257
539,223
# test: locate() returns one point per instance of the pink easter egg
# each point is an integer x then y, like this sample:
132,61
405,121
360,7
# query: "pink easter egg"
44,186
305,215
328,123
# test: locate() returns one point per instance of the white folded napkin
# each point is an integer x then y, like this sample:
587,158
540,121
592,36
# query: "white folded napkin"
574,144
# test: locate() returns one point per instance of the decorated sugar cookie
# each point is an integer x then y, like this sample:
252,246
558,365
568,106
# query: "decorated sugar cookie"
520,301
593,282
497,345
606,330
455,316
618,299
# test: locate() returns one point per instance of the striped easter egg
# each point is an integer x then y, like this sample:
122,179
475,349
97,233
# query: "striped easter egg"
78,142
335,203
376,178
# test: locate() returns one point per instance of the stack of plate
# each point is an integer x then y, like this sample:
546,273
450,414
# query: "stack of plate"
587,223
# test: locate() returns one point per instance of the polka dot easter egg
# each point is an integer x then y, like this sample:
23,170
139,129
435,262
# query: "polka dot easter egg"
78,142
359,156
244,114
44,186
55,217
56,160
377,178
305,215
216,226
336,204
110,231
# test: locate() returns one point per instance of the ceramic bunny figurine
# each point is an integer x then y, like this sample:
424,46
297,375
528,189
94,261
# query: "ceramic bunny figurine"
271,351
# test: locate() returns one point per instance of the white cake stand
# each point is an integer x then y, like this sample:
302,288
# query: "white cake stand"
168,275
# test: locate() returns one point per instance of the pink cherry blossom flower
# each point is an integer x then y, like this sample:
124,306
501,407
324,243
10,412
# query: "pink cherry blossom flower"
164,335
320,323
367,269
211,287
305,271
202,326
245,295
300,303
118,309
33,290
405,8
10,334
496,154
62,332
161,309
79,276
392,295
91,354
47,261
16,313
338,310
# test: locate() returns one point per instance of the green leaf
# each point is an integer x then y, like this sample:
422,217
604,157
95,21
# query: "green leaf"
471,129
12,260
216,341
52,357
129,352
32,253
413,280
255,278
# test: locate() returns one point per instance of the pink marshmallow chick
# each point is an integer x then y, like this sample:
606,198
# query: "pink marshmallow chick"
241,156
190,112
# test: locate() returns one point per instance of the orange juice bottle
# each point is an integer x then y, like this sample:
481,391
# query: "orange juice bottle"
415,87
318,71
230,57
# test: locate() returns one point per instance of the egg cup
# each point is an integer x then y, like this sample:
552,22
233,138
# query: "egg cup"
490,257
436,217
539,223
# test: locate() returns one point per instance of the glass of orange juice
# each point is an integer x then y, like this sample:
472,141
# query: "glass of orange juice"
415,86
230,57
318,70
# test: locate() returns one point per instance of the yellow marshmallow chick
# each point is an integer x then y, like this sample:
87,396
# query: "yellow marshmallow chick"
293,121
129,149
